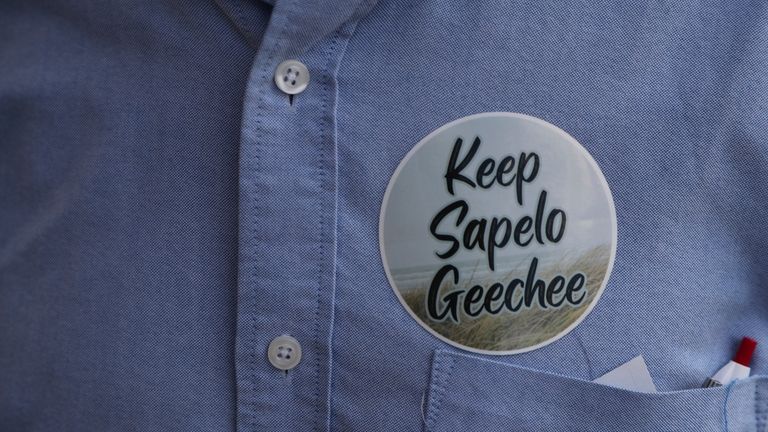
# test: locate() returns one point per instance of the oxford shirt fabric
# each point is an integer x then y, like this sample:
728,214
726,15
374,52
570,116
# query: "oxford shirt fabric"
166,211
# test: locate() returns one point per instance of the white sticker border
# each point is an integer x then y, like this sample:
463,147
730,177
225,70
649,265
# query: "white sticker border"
606,189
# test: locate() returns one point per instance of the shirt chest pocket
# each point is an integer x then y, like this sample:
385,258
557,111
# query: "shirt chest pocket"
470,394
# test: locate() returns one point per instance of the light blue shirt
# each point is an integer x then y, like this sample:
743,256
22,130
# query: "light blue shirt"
166,211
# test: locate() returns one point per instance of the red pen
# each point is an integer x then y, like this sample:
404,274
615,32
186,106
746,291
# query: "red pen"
737,368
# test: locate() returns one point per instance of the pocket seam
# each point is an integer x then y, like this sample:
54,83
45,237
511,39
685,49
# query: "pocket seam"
442,369
761,408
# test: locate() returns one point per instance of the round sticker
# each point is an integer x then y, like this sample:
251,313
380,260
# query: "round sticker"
498,233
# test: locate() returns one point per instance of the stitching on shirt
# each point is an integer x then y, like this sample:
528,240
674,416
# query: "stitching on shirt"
258,136
321,236
440,378
257,143
337,38
335,249
728,390
761,407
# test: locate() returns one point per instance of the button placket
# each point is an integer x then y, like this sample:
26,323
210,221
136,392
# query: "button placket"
293,266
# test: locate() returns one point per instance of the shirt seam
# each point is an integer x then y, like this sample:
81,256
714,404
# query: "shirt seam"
725,406
321,247
337,40
442,369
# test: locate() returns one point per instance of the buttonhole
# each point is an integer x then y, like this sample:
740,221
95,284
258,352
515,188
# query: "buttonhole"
290,100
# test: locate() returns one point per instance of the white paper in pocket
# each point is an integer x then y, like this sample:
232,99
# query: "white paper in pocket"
632,375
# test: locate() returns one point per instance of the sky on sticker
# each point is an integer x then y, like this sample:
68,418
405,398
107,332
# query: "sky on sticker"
419,191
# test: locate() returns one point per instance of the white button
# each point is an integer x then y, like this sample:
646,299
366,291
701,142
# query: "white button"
284,352
292,77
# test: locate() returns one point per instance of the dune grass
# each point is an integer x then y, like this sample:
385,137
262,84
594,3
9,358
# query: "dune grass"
516,330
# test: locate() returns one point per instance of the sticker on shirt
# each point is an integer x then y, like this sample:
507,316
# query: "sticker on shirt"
498,233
